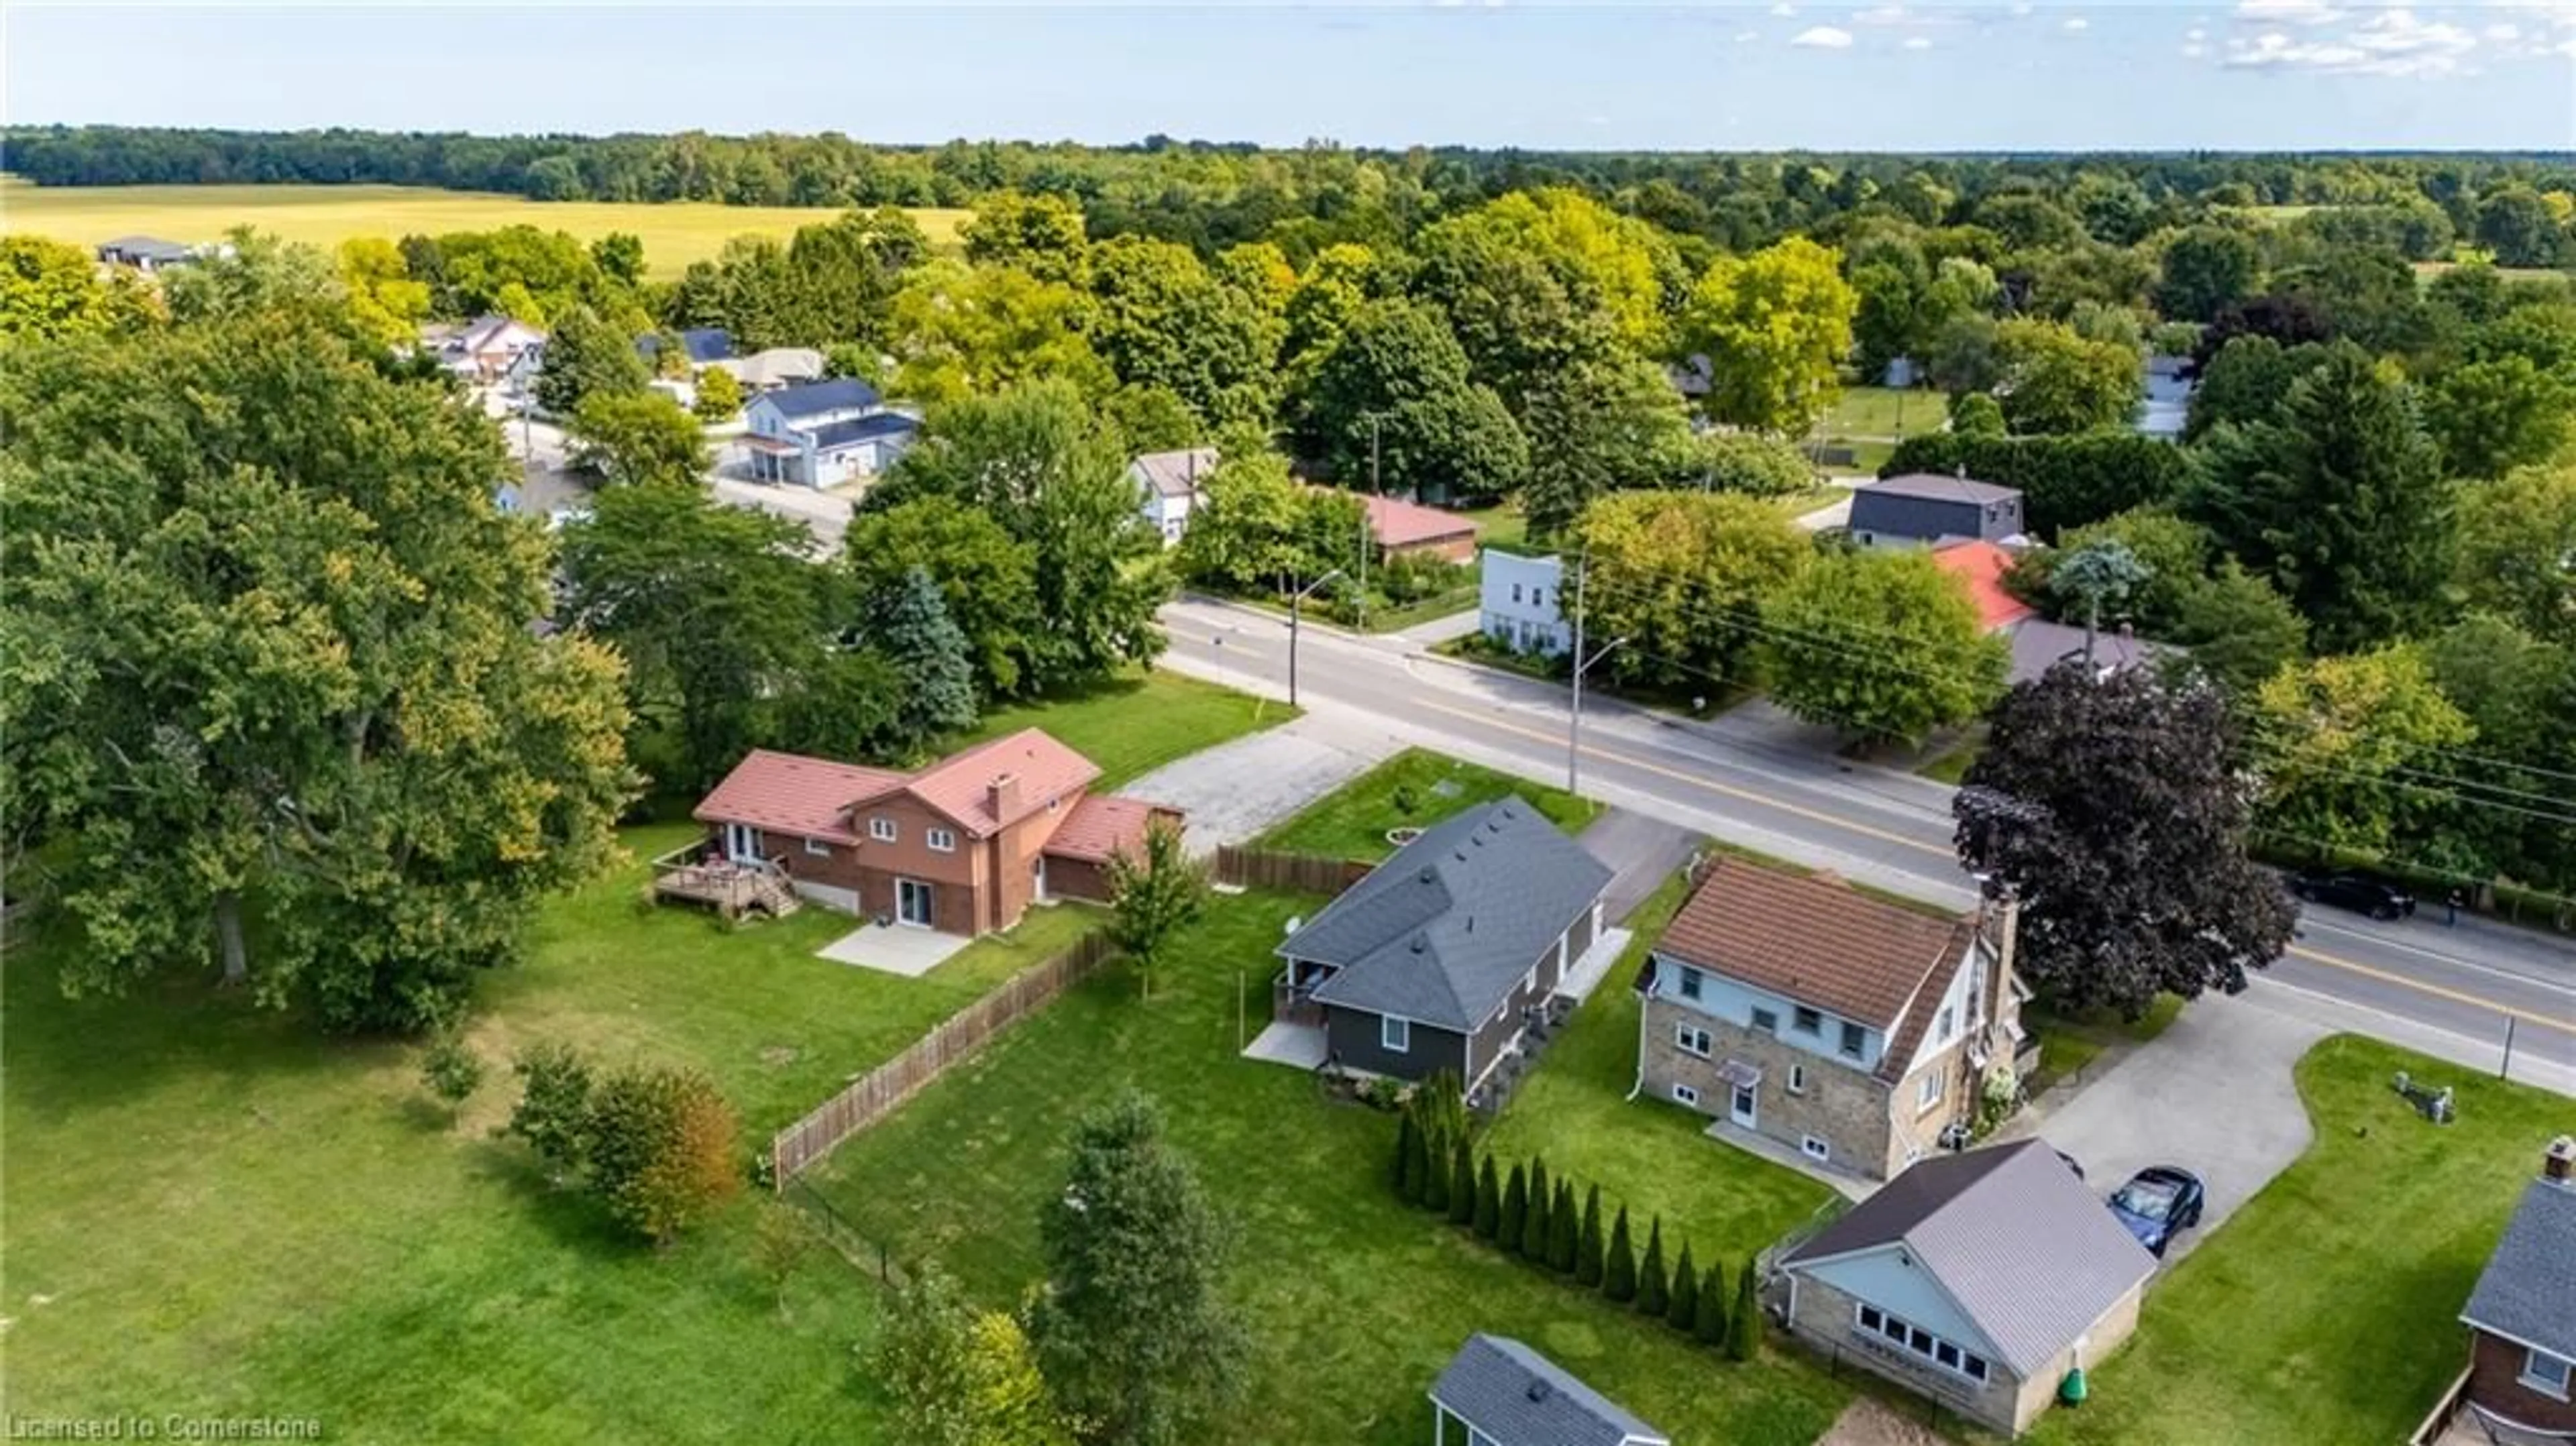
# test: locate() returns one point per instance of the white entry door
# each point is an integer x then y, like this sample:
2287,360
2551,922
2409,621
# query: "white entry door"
912,902
1742,1106
1037,878
742,843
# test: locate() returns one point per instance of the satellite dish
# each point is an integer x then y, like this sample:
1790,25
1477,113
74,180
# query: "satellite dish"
1295,922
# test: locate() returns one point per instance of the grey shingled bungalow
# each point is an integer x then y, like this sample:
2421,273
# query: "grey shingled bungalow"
1498,1392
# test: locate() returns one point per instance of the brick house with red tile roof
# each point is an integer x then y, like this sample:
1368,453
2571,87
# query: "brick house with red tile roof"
1854,1030
1982,565
963,846
1409,529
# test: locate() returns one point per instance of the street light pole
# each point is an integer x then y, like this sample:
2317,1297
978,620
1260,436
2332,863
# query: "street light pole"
1294,599
1574,715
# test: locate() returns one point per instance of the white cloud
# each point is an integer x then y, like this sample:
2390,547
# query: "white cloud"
1823,37
1880,15
2295,12
2195,35
1784,9
2194,51
2078,22
2506,31
1917,42
2022,9
2393,42
1747,37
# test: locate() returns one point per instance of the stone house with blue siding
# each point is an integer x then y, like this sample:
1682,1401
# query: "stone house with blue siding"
1856,1031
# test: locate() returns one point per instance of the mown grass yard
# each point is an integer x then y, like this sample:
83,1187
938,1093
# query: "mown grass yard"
2325,1309
214,1211
1135,723
674,233
1355,1300
1414,789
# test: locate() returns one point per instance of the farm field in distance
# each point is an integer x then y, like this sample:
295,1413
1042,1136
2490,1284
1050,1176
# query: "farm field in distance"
675,233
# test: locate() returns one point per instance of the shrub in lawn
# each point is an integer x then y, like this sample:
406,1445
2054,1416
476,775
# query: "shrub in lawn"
452,1071
1462,1183
1435,1174
1744,1329
553,1113
1587,1246
662,1149
1619,1268
1408,1159
780,1247
1533,1241
1515,1209
1709,1324
1152,897
1684,1306
1564,1230
1404,800
1489,1202
1654,1278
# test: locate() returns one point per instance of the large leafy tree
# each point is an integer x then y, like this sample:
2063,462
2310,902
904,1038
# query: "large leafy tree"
2237,626
1538,282
2517,555
1880,644
633,438
2347,748
2206,270
958,331
271,690
588,356
1153,895
2245,380
1257,527
2113,808
1132,1328
2057,381
716,610
387,304
1613,425
49,291
1038,461
1774,326
960,1377
1682,576
2492,416
1042,235
1162,319
987,580
1395,389
2339,499
2518,693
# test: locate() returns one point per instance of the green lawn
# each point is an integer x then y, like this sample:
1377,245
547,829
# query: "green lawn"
1502,525
1884,413
1355,1302
2325,1310
1134,724
1575,1113
1352,821
223,1213
2068,1043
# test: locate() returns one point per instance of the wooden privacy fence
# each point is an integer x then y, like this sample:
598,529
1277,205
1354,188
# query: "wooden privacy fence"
875,1095
1271,869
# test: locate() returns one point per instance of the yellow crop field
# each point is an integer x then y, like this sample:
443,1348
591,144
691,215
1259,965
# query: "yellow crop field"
674,233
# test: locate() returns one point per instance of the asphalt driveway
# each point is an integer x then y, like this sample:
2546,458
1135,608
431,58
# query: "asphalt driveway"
1237,789
2212,1094
1642,852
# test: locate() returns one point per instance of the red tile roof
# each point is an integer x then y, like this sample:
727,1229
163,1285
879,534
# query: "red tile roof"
1815,940
1039,767
1395,522
1101,826
794,794
1982,565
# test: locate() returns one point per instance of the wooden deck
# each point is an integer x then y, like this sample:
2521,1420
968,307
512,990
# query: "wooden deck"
731,889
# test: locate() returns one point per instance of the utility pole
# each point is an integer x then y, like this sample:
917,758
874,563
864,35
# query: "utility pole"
1574,715
1376,489
1294,600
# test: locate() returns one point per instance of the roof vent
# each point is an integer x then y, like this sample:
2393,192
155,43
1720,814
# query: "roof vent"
1461,856
1539,1390
1428,874
1471,923
1421,942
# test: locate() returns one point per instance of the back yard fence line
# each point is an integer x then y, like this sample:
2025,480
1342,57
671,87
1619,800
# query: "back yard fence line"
1271,869
875,1095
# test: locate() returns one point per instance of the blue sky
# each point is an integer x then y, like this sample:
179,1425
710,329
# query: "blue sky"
2250,74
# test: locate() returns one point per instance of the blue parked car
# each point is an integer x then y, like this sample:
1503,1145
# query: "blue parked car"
2159,1203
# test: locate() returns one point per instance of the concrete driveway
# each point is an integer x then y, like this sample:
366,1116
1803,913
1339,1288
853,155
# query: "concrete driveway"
2212,1094
1237,789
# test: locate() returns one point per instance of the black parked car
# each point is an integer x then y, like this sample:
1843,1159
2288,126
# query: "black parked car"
2360,893
2159,1203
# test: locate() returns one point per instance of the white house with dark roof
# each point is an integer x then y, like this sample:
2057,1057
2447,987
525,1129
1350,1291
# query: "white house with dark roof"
1977,1279
1167,488
1498,1392
821,434
1445,955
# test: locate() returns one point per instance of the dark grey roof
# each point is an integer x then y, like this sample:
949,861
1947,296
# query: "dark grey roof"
1933,487
1521,1398
2010,1234
863,429
149,247
1443,931
815,398
700,344
2039,645
2529,1289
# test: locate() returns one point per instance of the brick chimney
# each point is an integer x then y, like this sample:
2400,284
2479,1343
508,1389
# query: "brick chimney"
2557,1162
1004,795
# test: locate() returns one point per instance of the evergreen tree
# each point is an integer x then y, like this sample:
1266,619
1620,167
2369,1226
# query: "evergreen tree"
1744,1333
1619,1270
1408,1148
1685,1303
1587,1247
910,625
1515,1210
1533,1241
1709,1324
1462,1183
1489,1202
1654,1278
1564,1230
1435,1173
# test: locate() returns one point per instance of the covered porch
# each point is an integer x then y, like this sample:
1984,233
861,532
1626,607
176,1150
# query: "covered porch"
1292,993
775,459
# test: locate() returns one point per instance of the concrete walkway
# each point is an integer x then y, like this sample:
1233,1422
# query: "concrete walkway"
1237,789
1589,970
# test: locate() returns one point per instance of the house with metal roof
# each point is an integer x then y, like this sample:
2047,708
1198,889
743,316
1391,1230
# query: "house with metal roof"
2520,1386
820,434
1498,1392
1978,1279
1167,488
1921,509
1799,1012
148,253
964,846
1448,953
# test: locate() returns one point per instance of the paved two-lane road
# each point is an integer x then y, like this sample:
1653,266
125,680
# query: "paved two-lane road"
2450,990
